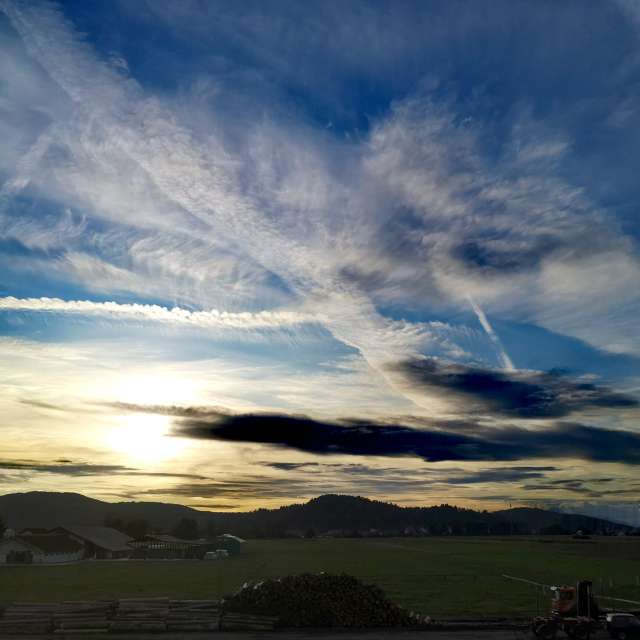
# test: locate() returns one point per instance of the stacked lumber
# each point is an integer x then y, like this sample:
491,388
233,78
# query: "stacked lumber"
193,615
140,615
247,622
322,600
28,618
82,617
482,624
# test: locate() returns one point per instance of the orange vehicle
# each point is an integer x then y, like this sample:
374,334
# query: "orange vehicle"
574,610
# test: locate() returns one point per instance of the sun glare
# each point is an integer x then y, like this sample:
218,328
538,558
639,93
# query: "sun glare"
151,388
144,438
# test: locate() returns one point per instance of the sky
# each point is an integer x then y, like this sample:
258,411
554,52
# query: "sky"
252,253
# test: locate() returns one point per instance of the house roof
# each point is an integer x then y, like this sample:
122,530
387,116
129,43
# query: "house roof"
103,537
229,536
52,543
32,531
13,542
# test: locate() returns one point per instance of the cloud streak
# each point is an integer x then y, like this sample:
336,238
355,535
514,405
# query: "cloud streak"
85,469
505,360
212,319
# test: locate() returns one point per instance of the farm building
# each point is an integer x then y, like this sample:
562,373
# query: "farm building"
166,547
169,547
229,543
99,542
38,549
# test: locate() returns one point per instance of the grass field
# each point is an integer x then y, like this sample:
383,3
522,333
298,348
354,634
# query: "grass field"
436,576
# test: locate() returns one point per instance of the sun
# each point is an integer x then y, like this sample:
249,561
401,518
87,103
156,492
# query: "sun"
144,437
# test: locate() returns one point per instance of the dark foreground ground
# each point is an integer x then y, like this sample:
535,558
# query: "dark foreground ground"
383,634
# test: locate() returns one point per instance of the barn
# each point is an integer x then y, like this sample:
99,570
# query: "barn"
101,543
230,543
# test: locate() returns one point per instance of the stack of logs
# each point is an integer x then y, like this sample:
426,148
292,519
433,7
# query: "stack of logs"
71,617
193,615
163,614
140,614
28,617
127,615
82,617
247,622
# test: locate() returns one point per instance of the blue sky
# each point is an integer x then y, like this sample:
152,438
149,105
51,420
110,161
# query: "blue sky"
398,222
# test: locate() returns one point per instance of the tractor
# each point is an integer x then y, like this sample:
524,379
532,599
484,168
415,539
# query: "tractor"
574,610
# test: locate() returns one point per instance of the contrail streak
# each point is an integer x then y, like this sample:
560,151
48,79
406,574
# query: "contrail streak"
503,356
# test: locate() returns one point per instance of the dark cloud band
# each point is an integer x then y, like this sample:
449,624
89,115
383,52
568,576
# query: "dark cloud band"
560,440
522,394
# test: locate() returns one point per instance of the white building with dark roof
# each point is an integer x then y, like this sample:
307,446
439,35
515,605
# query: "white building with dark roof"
40,549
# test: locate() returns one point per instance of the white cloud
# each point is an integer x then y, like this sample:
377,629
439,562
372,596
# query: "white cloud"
212,319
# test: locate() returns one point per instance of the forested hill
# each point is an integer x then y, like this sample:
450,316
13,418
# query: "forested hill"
338,515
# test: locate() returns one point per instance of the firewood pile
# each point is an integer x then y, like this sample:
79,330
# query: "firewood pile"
322,600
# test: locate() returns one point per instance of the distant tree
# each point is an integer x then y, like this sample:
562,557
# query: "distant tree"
3,526
310,533
187,529
554,530
137,528
114,522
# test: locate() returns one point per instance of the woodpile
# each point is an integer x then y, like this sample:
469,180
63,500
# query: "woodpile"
193,615
28,618
140,615
247,622
322,600
306,600
127,615
163,614
81,617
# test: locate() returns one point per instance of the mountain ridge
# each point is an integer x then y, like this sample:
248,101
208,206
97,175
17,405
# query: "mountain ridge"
333,514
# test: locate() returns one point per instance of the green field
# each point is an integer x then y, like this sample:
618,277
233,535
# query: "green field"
436,576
